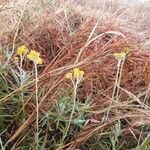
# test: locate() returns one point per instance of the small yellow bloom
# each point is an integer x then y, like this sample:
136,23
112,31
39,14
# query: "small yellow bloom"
120,56
35,57
76,73
22,50
68,75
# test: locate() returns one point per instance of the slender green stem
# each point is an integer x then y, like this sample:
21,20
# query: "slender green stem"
37,106
21,82
116,86
115,90
119,78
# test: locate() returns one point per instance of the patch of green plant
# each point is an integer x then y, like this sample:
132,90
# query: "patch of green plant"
56,120
145,144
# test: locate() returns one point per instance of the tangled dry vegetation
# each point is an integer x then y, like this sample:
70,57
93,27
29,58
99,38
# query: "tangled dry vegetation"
71,34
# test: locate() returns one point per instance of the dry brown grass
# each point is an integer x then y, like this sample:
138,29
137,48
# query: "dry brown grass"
85,34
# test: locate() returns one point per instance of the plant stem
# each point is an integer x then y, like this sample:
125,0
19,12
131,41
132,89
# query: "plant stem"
116,86
21,81
119,78
116,89
37,106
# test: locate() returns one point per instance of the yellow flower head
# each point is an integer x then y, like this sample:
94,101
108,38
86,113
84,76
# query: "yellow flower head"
35,57
120,56
22,50
76,74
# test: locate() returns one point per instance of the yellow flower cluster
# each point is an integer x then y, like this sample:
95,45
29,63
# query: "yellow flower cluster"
35,57
22,50
76,74
120,56
32,55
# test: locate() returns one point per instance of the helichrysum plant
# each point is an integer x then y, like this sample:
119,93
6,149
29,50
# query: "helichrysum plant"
34,56
21,52
115,96
120,58
76,76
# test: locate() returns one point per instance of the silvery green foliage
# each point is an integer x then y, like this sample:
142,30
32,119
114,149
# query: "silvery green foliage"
21,78
116,132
